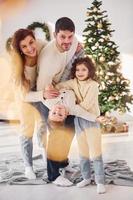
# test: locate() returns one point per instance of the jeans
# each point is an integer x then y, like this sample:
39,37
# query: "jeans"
42,125
59,142
30,117
26,150
27,144
89,143
53,168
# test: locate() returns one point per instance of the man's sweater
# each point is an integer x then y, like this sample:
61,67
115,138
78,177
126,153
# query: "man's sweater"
51,65
52,62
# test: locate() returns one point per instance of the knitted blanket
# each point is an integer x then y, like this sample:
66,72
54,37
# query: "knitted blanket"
12,172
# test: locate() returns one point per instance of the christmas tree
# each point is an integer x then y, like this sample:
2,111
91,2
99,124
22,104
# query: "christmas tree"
114,88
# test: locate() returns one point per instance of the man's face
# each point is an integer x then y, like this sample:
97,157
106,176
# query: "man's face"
58,113
64,40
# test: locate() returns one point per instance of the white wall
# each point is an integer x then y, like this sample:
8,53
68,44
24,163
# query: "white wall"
119,13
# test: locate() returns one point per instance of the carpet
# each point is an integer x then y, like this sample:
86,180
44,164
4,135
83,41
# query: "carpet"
117,172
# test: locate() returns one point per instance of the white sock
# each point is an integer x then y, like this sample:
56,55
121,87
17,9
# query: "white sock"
84,183
101,188
29,173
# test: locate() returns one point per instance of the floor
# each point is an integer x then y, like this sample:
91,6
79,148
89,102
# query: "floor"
114,147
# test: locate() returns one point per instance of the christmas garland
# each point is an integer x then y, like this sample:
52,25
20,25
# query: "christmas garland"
8,44
43,26
32,26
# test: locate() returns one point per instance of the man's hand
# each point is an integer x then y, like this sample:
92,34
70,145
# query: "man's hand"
79,47
50,92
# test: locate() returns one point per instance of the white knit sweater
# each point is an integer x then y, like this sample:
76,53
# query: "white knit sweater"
52,62
51,65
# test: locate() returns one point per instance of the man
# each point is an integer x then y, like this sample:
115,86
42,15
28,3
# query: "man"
51,64
56,55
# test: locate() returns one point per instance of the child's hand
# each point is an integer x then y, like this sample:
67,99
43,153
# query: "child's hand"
101,119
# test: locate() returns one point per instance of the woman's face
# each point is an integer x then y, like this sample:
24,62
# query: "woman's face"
28,46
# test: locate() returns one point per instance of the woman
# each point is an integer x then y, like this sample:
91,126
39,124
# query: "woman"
28,48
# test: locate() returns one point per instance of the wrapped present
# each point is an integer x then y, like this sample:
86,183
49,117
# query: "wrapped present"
111,125
121,127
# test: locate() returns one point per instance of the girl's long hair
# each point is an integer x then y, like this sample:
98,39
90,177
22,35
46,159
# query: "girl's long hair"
88,63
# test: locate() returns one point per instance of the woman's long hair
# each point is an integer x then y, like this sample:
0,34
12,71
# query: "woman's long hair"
18,36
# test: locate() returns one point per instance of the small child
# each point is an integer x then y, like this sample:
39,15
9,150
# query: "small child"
61,134
88,133
67,100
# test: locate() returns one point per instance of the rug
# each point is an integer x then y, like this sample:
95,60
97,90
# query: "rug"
117,172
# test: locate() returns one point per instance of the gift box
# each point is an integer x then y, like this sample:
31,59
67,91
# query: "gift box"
111,125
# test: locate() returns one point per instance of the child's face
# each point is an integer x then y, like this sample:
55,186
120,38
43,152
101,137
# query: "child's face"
58,113
82,72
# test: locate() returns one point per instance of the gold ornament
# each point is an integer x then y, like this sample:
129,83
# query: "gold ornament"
118,79
99,26
102,59
106,77
101,73
87,13
97,45
116,97
101,40
107,114
111,98
111,63
95,10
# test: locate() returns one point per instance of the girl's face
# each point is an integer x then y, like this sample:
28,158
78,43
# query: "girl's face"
28,46
82,72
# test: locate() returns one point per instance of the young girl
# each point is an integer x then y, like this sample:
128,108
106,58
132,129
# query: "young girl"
88,133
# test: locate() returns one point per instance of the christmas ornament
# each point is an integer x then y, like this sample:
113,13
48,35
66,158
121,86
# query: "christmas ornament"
97,45
95,10
93,48
87,13
99,26
106,55
102,59
111,98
